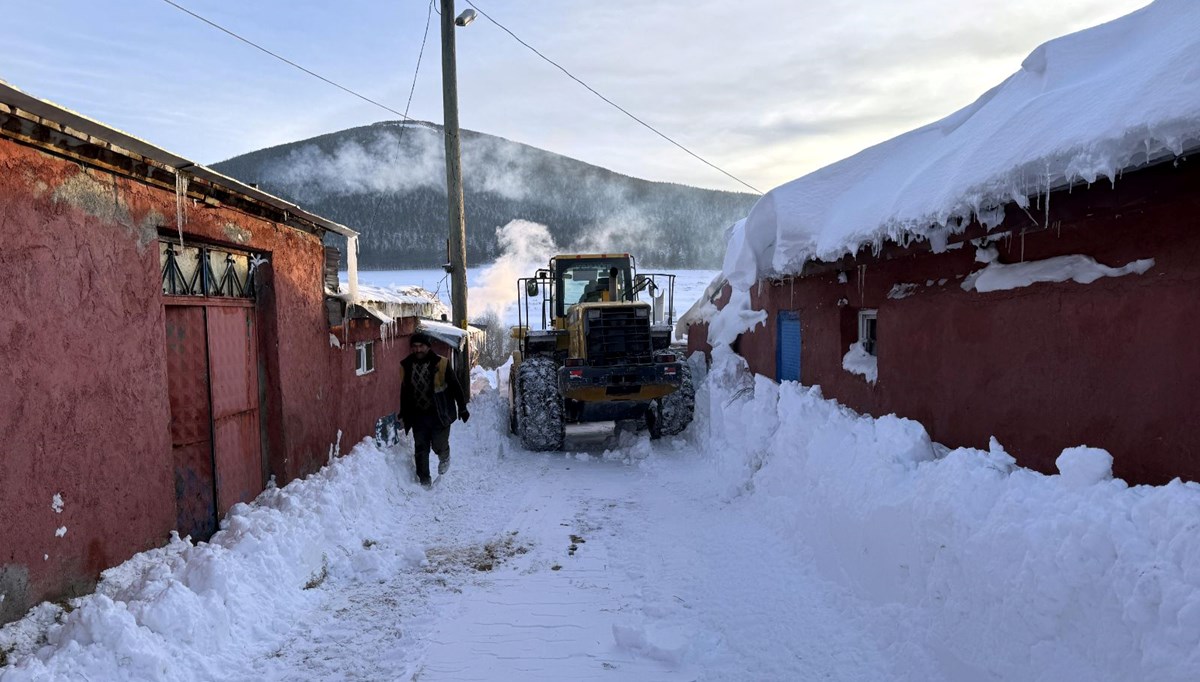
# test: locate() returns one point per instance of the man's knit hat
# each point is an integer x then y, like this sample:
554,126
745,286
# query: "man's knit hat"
420,337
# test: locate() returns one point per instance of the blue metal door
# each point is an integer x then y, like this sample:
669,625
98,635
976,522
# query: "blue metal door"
787,346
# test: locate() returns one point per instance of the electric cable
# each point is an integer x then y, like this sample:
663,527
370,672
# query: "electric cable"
610,102
411,90
503,28
283,59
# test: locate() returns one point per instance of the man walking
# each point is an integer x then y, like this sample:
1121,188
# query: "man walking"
431,398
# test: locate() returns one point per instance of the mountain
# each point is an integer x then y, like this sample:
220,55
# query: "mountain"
388,181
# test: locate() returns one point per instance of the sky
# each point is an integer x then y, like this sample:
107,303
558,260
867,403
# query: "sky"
768,90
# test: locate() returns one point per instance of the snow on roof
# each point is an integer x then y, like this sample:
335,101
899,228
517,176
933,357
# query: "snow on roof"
448,333
703,309
1082,107
398,301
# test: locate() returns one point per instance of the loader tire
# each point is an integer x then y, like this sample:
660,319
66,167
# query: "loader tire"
539,407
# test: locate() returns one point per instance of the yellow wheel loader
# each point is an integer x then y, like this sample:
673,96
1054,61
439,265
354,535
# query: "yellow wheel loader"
601,353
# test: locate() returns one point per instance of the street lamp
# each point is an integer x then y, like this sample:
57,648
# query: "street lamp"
454,190
465,18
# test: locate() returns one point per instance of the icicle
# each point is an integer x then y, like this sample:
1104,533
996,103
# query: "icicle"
862,274
1047,195
181,188
352,266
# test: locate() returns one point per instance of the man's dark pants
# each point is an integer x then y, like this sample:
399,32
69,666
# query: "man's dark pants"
426,435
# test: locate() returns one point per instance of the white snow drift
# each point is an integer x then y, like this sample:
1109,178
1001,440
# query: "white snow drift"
958,557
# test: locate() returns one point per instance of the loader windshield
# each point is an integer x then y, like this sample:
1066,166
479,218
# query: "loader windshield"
592,280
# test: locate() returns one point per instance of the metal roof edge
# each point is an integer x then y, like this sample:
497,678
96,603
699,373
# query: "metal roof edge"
15,97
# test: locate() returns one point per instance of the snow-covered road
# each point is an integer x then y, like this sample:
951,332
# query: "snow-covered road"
783,537
575,566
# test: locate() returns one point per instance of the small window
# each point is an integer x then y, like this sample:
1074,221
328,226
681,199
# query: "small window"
365,364
866,330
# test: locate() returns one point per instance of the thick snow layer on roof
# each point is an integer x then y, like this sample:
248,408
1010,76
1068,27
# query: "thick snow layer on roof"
405,295
1082,107
397,301
446,332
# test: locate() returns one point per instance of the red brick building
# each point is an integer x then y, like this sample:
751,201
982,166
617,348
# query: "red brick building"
153,376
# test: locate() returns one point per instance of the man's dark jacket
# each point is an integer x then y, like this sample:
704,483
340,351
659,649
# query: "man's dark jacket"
448,398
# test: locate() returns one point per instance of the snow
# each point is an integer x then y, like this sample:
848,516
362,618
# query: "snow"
56,503
397,300
904,289
1083,466
444,332
735,318
781,537
1077,268
858,361
61,532
703,309
1082,107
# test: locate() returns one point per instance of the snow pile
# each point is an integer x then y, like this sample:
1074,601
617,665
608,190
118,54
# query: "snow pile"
998,571
1084,466
1083,107
735,318
1078,268
177,612
858,361
398,301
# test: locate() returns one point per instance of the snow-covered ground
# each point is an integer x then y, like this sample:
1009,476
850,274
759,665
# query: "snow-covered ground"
783,537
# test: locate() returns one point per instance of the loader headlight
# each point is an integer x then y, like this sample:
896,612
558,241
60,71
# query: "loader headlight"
594,314
642,312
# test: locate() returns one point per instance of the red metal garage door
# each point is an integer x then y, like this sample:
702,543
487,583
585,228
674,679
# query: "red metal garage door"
191,422
233,372
212,379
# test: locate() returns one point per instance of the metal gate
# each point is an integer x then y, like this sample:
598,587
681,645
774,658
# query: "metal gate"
787,346
191,422
233,375
212,378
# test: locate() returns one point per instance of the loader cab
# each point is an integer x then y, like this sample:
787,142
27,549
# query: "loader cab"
590,279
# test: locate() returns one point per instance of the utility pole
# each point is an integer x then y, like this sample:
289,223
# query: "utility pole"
454,190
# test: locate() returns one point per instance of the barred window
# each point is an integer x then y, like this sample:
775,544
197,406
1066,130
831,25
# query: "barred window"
200,270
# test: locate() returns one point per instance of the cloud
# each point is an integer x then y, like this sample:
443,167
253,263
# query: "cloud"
765,88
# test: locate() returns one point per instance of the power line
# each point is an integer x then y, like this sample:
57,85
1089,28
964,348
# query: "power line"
411,90
285,60
609,101
404,115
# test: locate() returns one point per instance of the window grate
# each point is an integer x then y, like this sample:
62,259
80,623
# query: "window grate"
196,270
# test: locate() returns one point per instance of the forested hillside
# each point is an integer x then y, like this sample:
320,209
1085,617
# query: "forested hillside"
388,181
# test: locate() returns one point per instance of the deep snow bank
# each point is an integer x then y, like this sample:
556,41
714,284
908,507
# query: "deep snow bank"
179,612
1002,572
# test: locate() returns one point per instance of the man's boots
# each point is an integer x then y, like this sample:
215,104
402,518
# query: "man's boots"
443,464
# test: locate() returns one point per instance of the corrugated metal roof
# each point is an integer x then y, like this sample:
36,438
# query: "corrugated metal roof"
82,124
